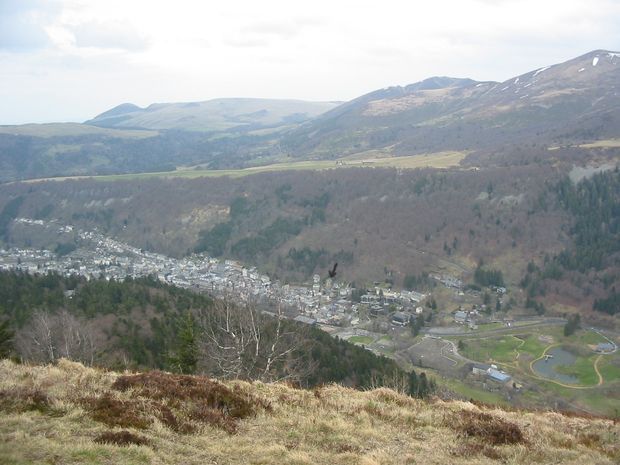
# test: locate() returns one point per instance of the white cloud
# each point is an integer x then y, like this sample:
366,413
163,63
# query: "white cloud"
114,35
147,51
23,23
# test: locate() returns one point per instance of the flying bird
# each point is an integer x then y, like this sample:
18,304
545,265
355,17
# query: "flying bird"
332,272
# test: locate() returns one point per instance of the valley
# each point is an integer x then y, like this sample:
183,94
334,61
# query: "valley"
458,347
475,225
272,233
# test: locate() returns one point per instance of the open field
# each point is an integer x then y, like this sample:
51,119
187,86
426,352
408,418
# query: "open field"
360,340
502,349
432,160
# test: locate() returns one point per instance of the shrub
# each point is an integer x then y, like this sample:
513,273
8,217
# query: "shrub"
121,438
492,429
23,400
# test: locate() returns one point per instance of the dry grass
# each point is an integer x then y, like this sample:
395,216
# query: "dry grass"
71,414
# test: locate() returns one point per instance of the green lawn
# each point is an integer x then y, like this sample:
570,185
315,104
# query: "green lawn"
533,346
489,326
499,349
590,337
582,369
609,366
360,340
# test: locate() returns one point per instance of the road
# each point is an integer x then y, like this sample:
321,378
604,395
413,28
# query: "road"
461,331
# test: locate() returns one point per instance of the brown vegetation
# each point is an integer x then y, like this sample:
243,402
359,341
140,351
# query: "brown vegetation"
117,412
489,428
179,402
121,438
19,399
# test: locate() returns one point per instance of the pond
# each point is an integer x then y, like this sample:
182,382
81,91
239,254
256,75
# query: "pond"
548,367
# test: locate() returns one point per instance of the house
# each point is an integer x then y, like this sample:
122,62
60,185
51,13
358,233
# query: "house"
376,310
460,317
498,376
401,319
480,368
305,320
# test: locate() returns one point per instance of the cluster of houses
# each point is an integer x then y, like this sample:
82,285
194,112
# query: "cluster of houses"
324,302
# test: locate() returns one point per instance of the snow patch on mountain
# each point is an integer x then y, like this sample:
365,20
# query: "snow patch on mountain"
541,70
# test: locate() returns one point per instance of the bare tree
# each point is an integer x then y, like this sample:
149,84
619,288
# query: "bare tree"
241,342
49,337
75,339
397,381
36,342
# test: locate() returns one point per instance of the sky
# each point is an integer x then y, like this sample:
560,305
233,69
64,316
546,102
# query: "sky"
69,60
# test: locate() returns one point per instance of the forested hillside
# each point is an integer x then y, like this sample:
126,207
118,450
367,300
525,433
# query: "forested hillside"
555,237
590,263
292,225
24,156
144,323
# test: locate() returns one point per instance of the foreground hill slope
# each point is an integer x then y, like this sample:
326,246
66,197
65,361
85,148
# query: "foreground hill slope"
72,414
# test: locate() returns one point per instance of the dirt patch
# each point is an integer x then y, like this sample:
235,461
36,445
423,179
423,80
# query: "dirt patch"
430,353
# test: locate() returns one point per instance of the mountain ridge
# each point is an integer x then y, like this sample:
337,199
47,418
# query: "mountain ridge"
210,115
567,104
462,114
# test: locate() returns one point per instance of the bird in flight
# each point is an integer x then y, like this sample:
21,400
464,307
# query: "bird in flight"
332,272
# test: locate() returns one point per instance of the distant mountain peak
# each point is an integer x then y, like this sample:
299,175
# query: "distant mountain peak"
439,82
